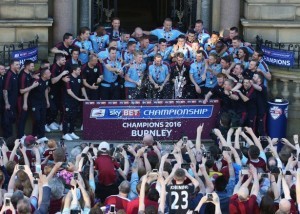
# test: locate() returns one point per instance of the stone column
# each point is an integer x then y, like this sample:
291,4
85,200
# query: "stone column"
206,13
198,14
63,19
230,14
84,13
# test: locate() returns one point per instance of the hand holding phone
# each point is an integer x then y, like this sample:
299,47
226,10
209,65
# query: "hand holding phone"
209,196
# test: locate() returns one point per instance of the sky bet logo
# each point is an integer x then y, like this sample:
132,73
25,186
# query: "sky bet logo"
124,113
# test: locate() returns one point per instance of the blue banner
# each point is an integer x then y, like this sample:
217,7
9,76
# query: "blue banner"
153,112
25,54
281,58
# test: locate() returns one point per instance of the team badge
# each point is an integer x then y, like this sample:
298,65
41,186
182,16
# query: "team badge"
275,112
33,109
95,70
79,80
67,109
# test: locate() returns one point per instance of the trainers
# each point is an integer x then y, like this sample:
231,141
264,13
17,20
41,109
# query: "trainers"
67,137
74,136
56,124
53,126
47,129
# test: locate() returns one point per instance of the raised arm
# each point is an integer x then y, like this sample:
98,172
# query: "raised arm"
198,137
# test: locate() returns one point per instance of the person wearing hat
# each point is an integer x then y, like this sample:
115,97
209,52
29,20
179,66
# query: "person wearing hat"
107,176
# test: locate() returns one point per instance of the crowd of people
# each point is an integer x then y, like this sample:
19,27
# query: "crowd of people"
113,64
241,174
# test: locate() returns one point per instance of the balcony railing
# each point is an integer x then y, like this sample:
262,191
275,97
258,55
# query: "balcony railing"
7,49
294,47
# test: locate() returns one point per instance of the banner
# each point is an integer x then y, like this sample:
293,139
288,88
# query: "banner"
277,57
25,54
164,119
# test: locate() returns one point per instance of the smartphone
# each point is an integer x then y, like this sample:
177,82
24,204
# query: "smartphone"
185,166
155,170
112,208
64,165
21,167
245,171
209,197
111,146
84,155
288,172
264,175
45,142
226,148
7,202
62,142
185,139
36,175
125,147
171,156
208,155
264,138
38,168
76,176
75,212
268,150
35,181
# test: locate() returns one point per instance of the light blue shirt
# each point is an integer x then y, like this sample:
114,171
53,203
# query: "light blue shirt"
169,36
135,72
127,57
105,54
99,42
165,54
197,70
203,37
121,46
87,45
158,73
211,79
185,50
108,76
246,64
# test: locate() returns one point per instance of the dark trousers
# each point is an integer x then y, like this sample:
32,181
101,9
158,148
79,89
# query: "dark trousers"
39,120
110,93
22,119
9,118
93,94
70,115
55,107
261,124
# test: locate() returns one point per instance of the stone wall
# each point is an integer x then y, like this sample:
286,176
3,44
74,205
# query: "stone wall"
274,20
22,20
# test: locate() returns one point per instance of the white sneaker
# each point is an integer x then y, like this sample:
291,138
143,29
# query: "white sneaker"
43,139
53,126
60,127
81,127
74,136
56,124
47,129
67,137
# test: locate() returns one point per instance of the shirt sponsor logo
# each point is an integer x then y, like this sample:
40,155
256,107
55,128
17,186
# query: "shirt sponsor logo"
275,112
97,113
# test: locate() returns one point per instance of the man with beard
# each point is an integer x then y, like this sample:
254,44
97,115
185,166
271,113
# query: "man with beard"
159,75
65,47
55,94
197,76
217,91
26,84
179,78
10,94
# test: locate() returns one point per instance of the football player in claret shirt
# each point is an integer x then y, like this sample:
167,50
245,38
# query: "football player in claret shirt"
26,84
73,90
179,192
10,94
65,47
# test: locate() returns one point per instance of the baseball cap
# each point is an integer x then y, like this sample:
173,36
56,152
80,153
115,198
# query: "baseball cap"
103,146
29,140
